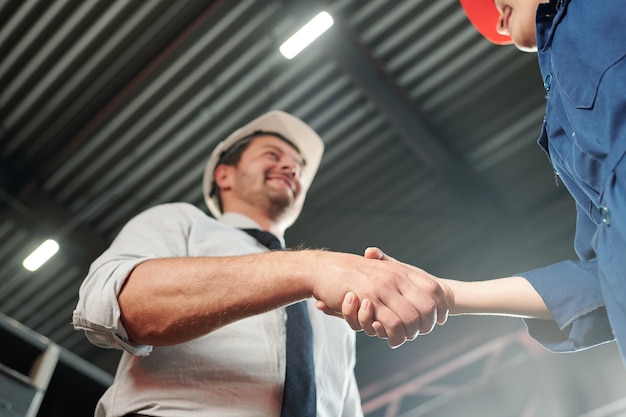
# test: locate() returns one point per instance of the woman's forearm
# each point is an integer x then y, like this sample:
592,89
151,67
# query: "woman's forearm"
512,296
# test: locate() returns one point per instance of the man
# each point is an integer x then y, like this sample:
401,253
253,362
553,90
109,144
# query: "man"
197,303
571,305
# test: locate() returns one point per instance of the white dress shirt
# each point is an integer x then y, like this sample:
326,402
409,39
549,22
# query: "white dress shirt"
237,370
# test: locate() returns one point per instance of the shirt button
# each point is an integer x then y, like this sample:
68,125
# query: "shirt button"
604,213
547,82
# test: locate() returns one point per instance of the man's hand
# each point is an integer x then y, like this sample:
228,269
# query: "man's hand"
401,302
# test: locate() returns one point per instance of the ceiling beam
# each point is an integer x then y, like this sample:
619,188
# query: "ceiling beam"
405,118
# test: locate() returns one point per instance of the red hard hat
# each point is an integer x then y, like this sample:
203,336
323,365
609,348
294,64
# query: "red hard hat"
484,16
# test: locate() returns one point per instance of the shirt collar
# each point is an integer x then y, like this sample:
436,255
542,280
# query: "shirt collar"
241,221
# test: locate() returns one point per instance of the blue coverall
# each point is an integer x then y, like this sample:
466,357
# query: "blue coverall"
581,48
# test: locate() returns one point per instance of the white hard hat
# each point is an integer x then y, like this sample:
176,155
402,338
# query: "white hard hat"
308,142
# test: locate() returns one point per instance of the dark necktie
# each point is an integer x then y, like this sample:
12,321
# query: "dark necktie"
299,395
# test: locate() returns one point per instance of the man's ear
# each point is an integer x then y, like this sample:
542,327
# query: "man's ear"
223,176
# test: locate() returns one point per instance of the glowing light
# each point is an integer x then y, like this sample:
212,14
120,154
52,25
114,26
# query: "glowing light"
41,255
307,34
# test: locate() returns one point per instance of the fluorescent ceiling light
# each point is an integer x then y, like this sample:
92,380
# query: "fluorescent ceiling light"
307,34
40,255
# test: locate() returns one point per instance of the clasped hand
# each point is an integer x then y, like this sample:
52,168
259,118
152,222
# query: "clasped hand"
397,313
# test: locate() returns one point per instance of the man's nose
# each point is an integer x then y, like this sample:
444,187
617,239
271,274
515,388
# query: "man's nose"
288,165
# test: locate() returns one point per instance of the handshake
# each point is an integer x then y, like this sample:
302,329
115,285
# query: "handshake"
392,300
387,298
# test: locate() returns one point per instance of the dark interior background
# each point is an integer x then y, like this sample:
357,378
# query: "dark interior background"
110,107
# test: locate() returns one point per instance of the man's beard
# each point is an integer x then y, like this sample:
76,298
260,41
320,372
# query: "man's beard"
280,205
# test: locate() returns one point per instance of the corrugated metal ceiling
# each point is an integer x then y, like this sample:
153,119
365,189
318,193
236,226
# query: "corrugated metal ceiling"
109,107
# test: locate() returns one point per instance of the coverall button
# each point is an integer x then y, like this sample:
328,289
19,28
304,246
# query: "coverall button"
604,213
547,82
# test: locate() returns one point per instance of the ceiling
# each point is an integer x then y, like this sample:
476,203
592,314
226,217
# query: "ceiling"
108,108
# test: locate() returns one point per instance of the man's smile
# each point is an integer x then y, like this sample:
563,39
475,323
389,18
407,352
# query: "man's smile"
284,180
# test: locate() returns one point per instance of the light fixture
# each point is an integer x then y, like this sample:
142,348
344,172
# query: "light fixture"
307,34
41,255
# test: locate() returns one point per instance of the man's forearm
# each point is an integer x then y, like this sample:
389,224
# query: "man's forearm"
173,300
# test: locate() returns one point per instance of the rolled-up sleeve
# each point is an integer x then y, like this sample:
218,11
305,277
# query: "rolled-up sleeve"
151,234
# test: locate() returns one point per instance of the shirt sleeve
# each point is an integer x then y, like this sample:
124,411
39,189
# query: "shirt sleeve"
571,292
157,232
